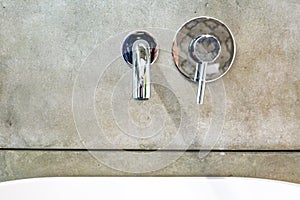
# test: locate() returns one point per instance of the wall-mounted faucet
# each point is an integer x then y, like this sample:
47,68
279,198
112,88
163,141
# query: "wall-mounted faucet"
203,50
140,50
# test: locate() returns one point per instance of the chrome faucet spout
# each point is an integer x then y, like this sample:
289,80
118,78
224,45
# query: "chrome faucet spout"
140,50
141,70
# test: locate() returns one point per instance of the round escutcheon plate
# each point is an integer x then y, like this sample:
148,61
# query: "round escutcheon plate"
193,29
139,35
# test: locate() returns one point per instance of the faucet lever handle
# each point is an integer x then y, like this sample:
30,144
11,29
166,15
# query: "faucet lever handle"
203,49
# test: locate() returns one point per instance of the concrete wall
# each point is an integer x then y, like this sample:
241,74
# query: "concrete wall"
253,128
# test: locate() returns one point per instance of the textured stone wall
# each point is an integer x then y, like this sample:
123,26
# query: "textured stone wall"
44,44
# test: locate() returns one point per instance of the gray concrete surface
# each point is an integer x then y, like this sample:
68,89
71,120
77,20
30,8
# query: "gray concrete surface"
277,166
44,43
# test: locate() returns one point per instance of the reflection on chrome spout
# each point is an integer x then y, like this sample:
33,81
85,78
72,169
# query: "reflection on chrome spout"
140,50
141,89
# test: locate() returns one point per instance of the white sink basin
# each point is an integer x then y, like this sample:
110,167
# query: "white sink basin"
90,188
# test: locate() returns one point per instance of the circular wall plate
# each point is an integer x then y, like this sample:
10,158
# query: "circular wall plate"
139,35
193,29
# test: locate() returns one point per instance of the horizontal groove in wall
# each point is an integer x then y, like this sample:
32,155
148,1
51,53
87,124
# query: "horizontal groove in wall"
161,150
